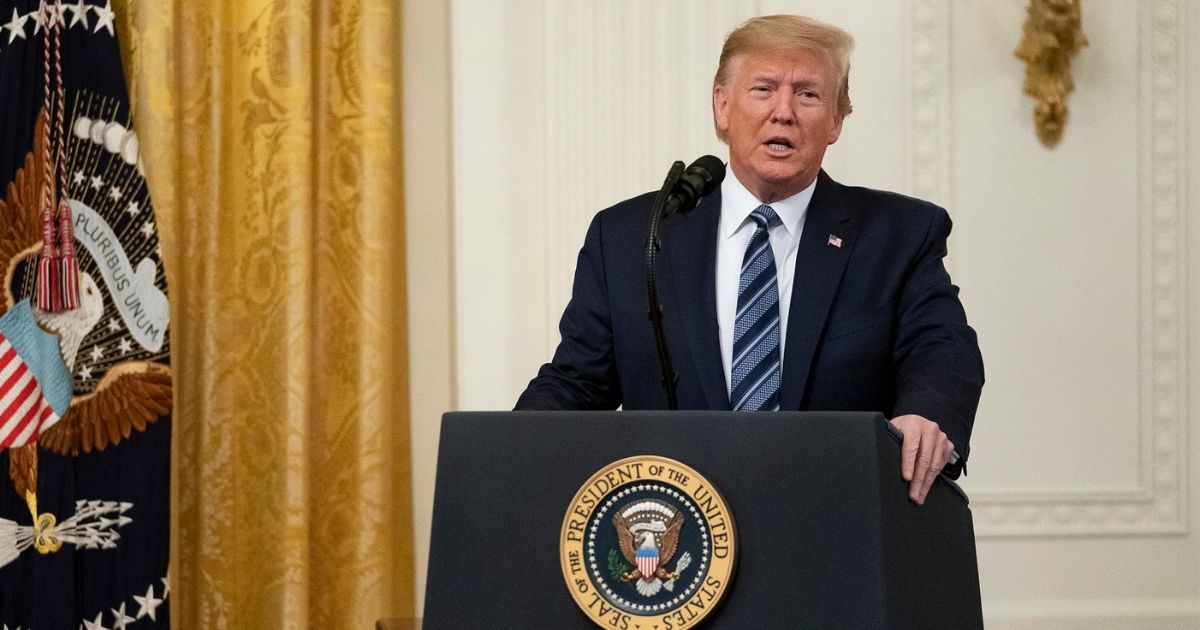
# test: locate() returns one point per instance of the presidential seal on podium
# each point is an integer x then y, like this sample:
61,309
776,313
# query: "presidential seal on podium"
647,542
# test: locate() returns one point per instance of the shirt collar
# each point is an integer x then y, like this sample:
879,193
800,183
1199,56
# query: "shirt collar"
737,202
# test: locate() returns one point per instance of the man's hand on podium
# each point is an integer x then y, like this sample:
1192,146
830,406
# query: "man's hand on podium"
925,451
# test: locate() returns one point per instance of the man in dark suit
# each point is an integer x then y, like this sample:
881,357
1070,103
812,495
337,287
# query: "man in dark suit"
785,290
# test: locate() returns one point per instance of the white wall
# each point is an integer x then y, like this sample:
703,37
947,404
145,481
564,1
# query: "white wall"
1077,264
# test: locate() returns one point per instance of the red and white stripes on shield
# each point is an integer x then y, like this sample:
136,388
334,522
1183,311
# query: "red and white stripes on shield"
24,409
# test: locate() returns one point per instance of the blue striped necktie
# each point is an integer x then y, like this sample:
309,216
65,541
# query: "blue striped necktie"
754,377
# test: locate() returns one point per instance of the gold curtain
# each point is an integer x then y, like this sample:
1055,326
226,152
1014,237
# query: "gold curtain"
269,130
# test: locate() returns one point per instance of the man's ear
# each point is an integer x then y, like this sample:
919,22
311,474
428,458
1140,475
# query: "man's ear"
836,131
720,107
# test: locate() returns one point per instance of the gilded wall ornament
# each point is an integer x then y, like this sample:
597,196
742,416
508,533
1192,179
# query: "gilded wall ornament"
1053,34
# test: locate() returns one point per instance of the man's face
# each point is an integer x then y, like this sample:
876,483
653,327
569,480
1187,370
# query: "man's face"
778,111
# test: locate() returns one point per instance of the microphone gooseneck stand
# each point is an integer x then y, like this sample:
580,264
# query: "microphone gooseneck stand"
670,380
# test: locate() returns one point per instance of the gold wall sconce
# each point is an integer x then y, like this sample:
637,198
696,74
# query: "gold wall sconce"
1052,35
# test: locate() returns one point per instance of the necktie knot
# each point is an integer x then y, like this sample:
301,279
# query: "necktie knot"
765,216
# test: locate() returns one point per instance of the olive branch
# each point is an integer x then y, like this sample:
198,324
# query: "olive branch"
616,566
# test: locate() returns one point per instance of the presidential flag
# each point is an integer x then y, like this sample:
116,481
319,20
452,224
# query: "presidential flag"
85,381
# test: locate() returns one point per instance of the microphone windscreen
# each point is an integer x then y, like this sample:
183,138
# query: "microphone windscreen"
713,172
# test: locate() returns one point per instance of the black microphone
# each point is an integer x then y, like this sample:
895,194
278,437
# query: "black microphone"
679,193
699,180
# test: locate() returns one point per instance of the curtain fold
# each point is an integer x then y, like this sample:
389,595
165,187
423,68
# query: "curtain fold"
269,131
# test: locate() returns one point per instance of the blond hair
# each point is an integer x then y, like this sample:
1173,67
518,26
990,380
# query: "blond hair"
790,32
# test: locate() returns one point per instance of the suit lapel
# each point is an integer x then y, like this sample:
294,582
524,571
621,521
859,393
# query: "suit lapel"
691,246
819,268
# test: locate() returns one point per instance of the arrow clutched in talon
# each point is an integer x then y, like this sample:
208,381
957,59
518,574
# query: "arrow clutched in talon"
94,525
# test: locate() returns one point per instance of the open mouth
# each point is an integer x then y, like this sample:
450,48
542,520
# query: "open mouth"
779,144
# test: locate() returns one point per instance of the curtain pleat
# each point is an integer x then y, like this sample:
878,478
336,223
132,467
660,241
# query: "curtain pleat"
269,134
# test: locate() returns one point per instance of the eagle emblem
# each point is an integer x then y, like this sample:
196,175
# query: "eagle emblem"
647,542
648,534
115,382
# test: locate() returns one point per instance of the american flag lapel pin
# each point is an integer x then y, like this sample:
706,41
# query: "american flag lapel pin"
835,241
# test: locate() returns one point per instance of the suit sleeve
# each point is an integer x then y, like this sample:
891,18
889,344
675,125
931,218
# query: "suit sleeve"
582,375
939,369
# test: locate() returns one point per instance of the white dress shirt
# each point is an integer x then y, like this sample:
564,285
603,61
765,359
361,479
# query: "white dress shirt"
733,235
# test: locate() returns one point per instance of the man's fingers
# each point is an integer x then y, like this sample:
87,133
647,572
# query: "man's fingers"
908,455
924,463
909,447
941,453
923,454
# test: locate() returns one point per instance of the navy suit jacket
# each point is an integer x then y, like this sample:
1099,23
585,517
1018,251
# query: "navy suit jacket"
874,325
